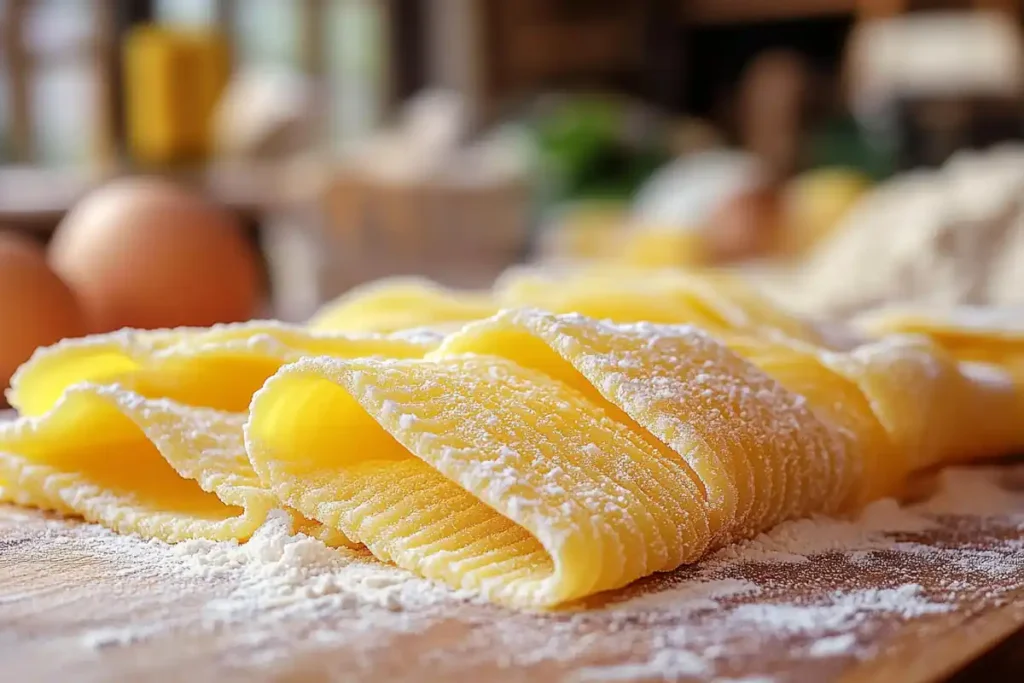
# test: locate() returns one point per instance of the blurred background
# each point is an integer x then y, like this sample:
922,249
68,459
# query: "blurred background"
168,162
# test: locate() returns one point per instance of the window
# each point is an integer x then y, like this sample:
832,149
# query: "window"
58,53
54,51
271,32
357,68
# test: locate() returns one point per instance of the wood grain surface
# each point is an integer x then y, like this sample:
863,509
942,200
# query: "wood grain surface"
78,605
70,613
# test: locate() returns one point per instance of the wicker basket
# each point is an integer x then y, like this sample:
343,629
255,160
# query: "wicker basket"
457,234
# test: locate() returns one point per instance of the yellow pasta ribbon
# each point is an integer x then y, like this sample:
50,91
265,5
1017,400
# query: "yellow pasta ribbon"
714,301
536,457
758,452
218,369
983,335
401,303
592,455
540,458
135,465
475,471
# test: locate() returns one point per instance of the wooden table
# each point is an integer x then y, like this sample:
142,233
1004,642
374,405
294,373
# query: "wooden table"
69,610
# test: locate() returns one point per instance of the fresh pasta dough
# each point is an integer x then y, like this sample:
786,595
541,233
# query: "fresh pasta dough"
739,431
540,458
137,466
402,303
713,301
564,502
163,411
219,367
535,456
986,335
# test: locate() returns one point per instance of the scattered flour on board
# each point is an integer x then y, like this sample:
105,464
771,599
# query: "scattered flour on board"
670,627
836,645
672,663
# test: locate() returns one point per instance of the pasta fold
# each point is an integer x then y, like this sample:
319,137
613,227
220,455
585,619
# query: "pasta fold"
757,451
401,303
967,333
135,465
535,456
713,301
220,367
475,471
67,391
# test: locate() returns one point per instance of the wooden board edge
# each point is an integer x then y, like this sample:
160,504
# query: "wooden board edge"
961,643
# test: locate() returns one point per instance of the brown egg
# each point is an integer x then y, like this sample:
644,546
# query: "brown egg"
146,253
744,226
36,307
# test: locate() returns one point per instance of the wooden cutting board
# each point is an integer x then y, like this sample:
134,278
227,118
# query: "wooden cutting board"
915,610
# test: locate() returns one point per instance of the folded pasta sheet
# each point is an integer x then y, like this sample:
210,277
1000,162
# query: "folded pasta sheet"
759,453
968,333
979,353
902,403
714,301
533,456
540,458
136,465
475,471
400,303
564,457
220,367
110,383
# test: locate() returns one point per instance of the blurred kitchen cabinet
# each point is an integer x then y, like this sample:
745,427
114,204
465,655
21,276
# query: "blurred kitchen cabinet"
726,11
494,52
929,101
53,52
880,9
15,59
541,41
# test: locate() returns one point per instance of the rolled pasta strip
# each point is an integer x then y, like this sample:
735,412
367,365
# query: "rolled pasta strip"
622,301
220,367
150,467
714,301
871,464
936,409
902,402
985,401
983,335
475,471
759,452
399,303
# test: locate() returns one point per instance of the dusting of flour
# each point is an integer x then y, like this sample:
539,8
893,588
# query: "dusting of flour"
819,591
300,575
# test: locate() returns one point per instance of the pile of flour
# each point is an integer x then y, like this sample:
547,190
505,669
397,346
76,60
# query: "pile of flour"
939,238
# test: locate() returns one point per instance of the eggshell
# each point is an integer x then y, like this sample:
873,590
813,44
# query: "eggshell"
36,307
146,253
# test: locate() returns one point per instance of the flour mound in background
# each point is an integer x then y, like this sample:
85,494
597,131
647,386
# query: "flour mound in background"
943,237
